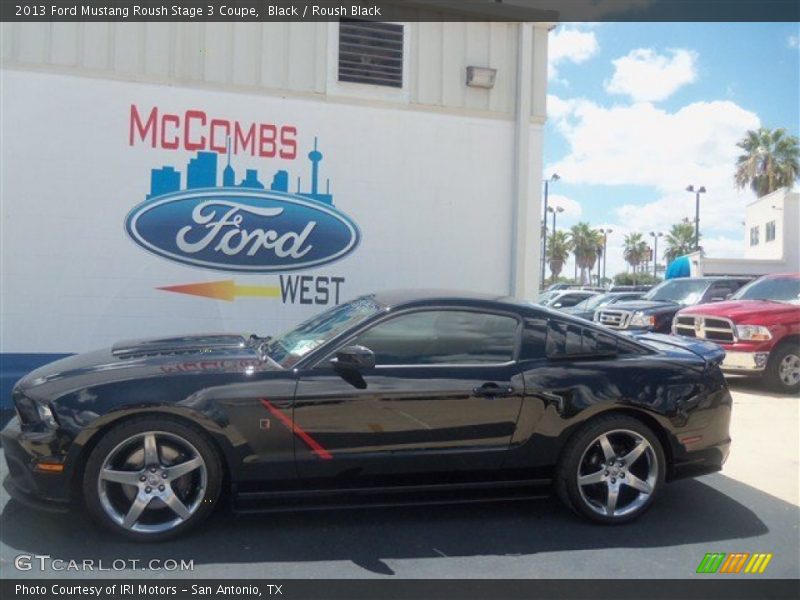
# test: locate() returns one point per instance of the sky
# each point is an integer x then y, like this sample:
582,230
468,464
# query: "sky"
638,111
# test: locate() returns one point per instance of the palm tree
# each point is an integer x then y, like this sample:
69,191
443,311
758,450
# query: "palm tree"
559,246
771,160
635,250
585,244
680,240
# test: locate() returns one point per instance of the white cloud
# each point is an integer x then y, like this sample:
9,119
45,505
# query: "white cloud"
558,108
723,246
644,145
661,151
647,76
569,44
572,208
793,41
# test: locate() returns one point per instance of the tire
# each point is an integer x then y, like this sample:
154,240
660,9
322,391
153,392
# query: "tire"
151,495
782,373
585,456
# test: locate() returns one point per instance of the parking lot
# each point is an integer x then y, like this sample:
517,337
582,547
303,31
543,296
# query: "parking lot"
752,506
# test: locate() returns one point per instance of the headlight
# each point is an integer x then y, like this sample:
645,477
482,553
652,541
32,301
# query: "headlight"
753,333
46,415
30,411
640,319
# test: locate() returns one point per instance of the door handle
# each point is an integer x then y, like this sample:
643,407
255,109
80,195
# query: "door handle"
493,390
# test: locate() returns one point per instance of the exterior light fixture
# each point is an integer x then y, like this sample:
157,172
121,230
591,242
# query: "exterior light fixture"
481,77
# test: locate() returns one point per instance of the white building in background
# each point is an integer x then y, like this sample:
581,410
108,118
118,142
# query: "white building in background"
406,155
771,239
772,228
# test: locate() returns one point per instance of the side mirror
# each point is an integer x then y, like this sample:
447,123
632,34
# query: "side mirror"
354,358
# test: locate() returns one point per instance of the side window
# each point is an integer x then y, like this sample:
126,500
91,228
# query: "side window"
721,289
442,337
569,339
572,299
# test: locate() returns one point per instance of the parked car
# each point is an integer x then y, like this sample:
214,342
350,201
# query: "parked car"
585,309
759,328
631,288
559,299
383,398
573,286
654,311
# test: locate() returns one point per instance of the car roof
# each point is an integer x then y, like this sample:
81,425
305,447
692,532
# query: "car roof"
585,292
714,278
782,276
409,298
399,297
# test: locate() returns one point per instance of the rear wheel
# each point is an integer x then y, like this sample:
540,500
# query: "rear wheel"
611,470
151,479
783,368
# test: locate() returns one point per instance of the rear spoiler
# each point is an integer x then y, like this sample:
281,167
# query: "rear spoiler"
711,353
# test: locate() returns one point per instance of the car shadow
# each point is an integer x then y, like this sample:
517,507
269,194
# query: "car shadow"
687,512
752,385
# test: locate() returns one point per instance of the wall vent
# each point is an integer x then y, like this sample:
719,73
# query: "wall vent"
371,52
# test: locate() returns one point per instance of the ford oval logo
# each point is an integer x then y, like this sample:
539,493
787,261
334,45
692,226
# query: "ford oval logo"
242,230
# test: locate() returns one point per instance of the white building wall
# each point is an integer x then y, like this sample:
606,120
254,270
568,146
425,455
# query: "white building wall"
280,58
430,176
781,207
776,256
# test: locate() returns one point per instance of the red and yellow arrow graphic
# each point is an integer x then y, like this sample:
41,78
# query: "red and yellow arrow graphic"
224,290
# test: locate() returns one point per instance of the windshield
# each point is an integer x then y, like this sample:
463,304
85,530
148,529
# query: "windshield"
778,290
593,302
679,291
543,299
289,347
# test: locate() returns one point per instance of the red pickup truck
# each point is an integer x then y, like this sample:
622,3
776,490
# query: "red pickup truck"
759,328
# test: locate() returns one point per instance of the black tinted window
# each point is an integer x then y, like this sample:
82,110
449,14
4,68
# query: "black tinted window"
534,338
442,337
570,339
568,300
722,288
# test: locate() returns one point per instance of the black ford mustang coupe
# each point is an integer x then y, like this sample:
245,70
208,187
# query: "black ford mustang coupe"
393,397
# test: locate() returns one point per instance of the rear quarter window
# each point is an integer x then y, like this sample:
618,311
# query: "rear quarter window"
570,339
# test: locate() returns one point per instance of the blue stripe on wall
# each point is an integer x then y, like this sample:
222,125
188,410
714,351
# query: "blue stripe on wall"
13,366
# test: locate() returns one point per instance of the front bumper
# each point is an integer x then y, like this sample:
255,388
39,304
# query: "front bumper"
23,450
745,362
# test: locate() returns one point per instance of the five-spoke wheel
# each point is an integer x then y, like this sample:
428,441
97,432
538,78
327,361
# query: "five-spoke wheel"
617,473
152,478
611,469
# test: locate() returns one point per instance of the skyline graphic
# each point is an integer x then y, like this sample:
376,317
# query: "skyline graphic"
201,172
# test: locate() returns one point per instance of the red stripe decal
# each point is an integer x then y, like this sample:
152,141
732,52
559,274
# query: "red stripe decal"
295,428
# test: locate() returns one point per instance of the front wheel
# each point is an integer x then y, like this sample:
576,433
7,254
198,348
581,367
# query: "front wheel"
611,470
151,479
783,368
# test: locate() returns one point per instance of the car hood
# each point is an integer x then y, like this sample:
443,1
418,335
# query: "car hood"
156,356
742,310
648,306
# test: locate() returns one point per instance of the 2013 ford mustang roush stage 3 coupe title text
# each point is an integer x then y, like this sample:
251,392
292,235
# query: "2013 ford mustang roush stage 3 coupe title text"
393,397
